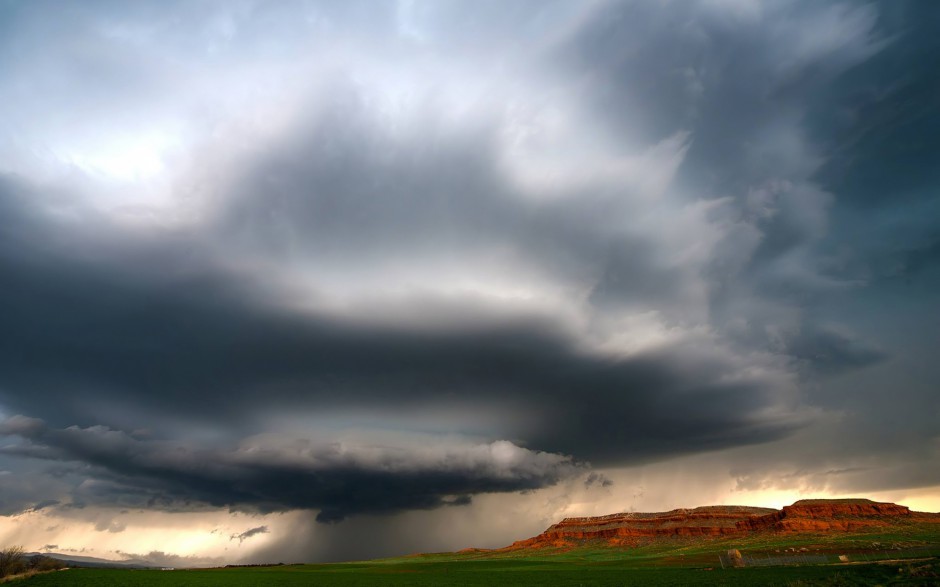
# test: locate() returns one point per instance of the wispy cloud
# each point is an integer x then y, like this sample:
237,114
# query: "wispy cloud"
249,533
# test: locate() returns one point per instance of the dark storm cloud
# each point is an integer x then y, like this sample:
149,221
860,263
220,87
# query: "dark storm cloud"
921,259
212,346
741,79
44,504
880,120
22,491
342,196
831,352
267,474
621,233
735,74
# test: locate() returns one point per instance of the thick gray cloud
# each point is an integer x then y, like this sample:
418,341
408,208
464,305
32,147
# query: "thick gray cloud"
212,347
274,474
621,231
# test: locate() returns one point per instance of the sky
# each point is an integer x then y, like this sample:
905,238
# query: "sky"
312,281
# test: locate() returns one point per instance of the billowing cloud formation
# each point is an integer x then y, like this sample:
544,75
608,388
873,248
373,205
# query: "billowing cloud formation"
265,256
269,474
213,346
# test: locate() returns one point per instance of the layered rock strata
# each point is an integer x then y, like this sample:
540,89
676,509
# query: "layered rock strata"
815,515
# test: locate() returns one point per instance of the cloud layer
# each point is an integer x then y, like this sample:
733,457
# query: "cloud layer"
275,474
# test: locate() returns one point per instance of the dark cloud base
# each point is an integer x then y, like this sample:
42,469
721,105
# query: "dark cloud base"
333,479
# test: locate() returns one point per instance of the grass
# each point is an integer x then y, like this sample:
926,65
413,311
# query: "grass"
483,572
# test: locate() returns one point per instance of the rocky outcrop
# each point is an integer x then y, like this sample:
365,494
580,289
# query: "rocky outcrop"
825,515
623,528
817,515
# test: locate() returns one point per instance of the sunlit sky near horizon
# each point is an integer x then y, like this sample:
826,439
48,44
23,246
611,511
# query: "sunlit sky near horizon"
278,276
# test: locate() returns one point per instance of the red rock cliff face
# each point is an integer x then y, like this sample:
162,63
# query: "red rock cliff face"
625,528
822,515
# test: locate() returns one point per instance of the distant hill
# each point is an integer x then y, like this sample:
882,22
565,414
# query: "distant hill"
809,517
94,563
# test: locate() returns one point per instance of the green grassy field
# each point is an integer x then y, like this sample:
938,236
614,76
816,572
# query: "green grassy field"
500,572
